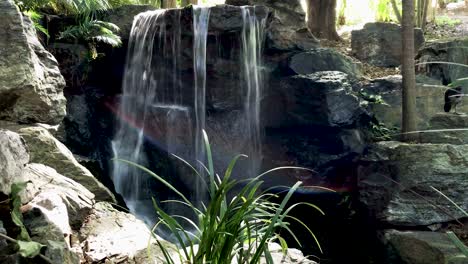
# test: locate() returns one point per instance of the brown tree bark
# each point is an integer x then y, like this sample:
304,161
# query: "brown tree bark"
322,18
188,2
168,3
408,73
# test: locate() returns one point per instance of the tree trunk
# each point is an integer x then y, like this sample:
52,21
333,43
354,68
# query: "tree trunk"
188,2
396,10
408,73
322,18
168,3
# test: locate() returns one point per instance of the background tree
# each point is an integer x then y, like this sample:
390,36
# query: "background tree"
408,72
168,3
188,2
322,18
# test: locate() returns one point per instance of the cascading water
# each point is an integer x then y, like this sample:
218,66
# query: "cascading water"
148,96
162,103
201,16
253,32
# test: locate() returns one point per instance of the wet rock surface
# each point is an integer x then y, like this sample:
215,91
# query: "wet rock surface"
322,59
287,30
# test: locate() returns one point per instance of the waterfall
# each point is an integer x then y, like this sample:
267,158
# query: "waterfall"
253,34
201,16
163,107
148,96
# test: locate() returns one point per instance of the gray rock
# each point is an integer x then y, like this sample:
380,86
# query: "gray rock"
395,182
429,100
111,234
46,186
31,88
440,123
419,247
13,158
445,50
45,149
288,29
323,59
60,253
380,43
322,98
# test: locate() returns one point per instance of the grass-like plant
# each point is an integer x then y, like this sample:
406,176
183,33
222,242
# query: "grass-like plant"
228,230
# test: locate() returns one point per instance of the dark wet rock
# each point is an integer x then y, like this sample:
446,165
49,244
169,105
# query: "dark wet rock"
322,59
419,247
31,88
380,43
123,17
445,50
73,60
288,29
395,182
323,98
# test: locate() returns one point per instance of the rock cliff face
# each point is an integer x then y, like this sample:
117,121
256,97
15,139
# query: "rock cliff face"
31,86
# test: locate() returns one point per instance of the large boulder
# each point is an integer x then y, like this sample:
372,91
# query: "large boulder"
322,98
288,29
447,128
395,182
445,50
420,247
380,43
13,158
31,88
109,235
47,150
45,182
322,59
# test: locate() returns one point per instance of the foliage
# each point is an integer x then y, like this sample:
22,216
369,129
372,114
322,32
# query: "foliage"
93,31
383,12
88,27
445,20
26,247
228,229
36,19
